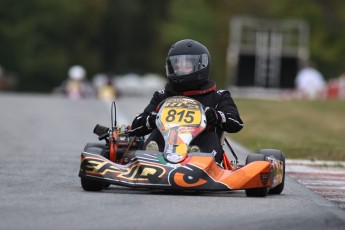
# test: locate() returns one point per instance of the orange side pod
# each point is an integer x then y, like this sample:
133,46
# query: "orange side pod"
253,175
113,147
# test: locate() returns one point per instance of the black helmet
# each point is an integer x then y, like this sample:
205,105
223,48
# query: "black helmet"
188,64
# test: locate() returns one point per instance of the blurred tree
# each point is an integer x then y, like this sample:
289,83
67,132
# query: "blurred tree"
41,39
131,38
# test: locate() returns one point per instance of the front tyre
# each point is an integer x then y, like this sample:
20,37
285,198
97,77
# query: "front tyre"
91,185
277,154
256,192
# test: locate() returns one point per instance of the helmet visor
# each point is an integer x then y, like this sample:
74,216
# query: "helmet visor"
180,65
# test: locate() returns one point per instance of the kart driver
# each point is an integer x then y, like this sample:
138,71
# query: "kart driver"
188,69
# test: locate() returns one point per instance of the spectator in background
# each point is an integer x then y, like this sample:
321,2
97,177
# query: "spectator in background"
336,88
106,92
104,87
309,82
76,86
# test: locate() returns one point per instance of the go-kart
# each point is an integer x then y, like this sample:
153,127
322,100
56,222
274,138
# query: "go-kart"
122,159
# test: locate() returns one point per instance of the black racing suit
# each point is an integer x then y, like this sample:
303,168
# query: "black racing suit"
209,140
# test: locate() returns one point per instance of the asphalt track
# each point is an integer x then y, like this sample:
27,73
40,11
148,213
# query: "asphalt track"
40,143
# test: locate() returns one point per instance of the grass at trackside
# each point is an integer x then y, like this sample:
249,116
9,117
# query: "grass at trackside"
302,129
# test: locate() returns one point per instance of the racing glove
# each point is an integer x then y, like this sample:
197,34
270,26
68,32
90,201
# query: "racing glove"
151,121
212,116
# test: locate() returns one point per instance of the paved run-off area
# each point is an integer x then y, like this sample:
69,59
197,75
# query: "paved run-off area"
323,177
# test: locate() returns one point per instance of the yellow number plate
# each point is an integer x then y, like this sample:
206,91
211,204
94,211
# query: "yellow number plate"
181,116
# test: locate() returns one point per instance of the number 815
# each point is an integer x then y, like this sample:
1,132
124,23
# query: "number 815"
186,116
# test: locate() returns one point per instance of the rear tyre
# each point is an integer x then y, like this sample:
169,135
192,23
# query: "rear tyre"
91,185
277,154
97,148
95,145
256,192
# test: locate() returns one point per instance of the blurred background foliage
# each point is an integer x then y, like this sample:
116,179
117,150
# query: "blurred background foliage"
41,39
